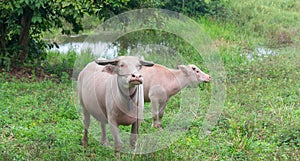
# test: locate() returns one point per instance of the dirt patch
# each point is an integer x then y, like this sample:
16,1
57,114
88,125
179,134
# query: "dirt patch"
32,74
282,37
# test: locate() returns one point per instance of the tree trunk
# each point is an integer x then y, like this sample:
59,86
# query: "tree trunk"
24,34
2,37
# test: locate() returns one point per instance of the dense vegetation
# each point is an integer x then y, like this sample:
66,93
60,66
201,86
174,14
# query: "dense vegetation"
24,22
259,45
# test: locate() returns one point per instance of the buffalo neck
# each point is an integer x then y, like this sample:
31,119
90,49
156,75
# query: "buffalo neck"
126,94
181,78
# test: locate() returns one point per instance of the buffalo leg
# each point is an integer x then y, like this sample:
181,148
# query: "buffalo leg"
158,108
117,140
104,140
155,105
134,132
86,122
158,97
160,114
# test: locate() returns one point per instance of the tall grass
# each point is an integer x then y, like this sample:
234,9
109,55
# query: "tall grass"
277,21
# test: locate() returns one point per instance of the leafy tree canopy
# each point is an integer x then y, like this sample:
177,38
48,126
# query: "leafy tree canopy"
23,21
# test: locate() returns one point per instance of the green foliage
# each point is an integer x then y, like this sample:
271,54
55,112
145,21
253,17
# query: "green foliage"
57,62
260,120
173,49
23,22
196,8
26,34
30,119
278,21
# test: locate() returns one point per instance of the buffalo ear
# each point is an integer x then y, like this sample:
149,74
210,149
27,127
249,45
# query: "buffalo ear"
146,63
183,68
111,69
105,62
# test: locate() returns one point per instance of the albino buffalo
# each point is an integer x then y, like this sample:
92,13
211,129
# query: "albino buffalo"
160,83
112,94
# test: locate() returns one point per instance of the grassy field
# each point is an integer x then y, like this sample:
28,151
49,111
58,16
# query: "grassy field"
260,120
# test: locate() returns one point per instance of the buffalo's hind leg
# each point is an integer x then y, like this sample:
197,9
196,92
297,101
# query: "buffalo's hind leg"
158,97
158,107
162,106
86,122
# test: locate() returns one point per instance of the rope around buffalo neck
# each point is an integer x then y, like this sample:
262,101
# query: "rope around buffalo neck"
130,102
130,95
137,111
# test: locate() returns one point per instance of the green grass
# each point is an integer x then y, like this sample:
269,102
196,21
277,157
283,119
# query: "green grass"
259,121
277,21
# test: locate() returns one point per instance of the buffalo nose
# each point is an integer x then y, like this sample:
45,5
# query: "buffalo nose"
136,75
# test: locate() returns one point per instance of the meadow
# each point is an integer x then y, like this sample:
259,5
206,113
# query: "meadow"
40,118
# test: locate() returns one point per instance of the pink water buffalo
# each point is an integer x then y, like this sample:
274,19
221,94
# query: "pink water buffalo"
112,94
160,83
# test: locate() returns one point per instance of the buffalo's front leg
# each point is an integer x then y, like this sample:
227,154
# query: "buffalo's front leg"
134,133
116,135
104,140
85,138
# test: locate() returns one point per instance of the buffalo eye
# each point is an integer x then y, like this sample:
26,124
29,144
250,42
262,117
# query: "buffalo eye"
139,67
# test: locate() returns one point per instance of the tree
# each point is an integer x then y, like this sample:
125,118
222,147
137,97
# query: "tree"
22,23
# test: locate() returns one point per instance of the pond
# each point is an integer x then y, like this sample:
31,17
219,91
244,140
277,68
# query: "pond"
158,53
95,48
77,43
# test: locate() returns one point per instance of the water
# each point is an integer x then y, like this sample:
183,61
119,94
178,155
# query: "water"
109,50
100,48
260,53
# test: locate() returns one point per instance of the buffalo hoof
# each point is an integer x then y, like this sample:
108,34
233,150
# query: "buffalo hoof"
105,143
84,143
158,126
117,155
